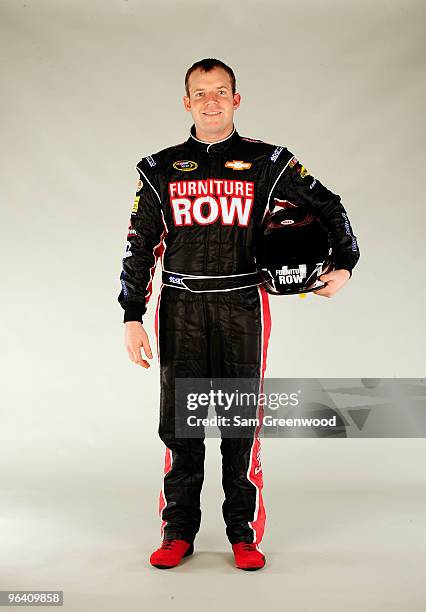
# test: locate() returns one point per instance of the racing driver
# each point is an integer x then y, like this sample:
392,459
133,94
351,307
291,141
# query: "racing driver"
198,206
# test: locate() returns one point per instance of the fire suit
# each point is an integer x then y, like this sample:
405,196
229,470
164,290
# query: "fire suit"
198,206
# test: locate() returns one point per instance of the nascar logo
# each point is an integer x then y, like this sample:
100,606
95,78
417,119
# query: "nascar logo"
185,165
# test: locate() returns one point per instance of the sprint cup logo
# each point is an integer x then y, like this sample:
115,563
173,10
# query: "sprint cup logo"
206,201
287,276
185,165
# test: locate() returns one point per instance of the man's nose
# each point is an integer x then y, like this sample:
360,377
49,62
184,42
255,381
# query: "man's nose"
212,96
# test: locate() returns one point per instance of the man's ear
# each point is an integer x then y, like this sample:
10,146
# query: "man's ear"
186,103
237,100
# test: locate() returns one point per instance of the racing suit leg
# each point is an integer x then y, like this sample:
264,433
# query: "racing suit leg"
244,328
211,335
182,346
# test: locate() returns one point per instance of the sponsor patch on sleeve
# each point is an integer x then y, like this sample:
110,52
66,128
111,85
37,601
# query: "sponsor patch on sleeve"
276,153
136,204
131,232
151,161
303,172
299,168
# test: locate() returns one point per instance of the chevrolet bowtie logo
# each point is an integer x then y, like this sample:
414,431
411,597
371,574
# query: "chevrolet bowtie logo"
238,165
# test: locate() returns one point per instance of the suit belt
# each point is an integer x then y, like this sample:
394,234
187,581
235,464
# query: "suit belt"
204,283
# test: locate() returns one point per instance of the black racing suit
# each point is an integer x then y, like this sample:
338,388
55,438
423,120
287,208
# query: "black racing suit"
198,206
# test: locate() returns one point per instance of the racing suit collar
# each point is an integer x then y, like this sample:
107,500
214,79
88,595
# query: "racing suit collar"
212,147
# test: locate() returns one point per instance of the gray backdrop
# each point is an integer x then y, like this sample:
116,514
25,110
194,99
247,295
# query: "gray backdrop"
88,88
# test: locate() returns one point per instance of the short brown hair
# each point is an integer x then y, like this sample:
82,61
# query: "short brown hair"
207,65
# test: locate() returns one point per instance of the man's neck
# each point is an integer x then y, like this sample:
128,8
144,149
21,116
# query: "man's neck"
213,137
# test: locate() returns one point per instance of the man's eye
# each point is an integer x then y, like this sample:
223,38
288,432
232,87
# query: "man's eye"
222,91
200,93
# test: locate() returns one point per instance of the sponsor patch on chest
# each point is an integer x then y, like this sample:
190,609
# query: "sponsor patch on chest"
238,164
209,201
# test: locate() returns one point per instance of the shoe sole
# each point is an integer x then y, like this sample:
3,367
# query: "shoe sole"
252,569
187,554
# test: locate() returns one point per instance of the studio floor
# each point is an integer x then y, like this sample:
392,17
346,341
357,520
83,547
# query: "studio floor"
345,531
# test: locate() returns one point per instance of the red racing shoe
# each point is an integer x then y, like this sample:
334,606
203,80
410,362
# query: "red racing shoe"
248,556
170,553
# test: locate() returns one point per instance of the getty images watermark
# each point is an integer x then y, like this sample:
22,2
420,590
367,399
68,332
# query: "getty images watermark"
356,407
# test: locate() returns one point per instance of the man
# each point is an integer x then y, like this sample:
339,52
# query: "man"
198,205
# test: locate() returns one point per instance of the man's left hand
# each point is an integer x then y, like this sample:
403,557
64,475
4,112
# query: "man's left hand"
335,281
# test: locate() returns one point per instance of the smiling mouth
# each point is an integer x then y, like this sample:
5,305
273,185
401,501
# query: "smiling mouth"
212,113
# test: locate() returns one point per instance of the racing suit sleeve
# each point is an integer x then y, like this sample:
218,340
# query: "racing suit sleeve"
144,245
294,183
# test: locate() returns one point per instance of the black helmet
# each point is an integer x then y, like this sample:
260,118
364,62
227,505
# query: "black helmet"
293,250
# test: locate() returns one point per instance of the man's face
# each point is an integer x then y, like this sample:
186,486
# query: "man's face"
211,101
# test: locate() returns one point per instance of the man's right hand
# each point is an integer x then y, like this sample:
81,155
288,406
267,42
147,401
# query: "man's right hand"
135,338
